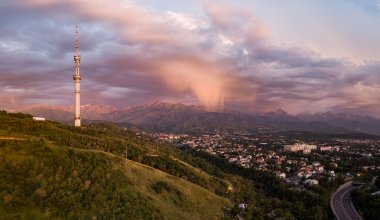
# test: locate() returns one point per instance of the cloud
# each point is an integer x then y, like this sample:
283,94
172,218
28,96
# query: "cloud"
132,55
182,72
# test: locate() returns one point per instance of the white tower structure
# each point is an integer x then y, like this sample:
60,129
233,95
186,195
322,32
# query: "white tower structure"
77,77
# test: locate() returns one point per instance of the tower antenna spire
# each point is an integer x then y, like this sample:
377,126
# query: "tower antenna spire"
76,40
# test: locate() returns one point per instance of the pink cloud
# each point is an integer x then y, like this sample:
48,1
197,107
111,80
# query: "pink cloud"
131,54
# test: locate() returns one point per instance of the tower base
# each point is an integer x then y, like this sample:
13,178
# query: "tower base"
77,122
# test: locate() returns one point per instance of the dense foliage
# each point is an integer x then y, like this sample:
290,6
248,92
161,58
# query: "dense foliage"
47,170
265,192
171,166
108,138
40,181
368,205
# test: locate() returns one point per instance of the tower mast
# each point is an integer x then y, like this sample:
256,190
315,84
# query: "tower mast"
77,77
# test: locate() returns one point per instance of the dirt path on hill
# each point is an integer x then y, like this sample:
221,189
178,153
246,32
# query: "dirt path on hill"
11,138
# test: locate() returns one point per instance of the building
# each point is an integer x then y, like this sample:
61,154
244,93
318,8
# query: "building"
306,151
299,147
319,169
325,148
311,182
259,160
39,119
77,78
232,159
294,180
280,174
367,155
331,173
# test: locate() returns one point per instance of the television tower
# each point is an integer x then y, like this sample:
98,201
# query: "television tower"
77,77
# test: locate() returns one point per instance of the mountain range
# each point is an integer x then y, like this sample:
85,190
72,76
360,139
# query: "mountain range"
180,118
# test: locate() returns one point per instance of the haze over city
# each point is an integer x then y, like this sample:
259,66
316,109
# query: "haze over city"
301,56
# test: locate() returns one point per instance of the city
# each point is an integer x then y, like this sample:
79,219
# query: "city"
300,162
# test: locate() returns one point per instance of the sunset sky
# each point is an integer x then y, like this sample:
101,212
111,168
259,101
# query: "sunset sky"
247,55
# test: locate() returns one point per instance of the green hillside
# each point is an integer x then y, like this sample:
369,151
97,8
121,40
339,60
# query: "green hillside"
51,170
41,178
108,138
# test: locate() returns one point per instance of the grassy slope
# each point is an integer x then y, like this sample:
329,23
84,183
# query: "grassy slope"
39,180
205,175
179,199
191,201
113,139
184,201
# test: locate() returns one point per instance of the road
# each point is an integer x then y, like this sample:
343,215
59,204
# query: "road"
341,203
